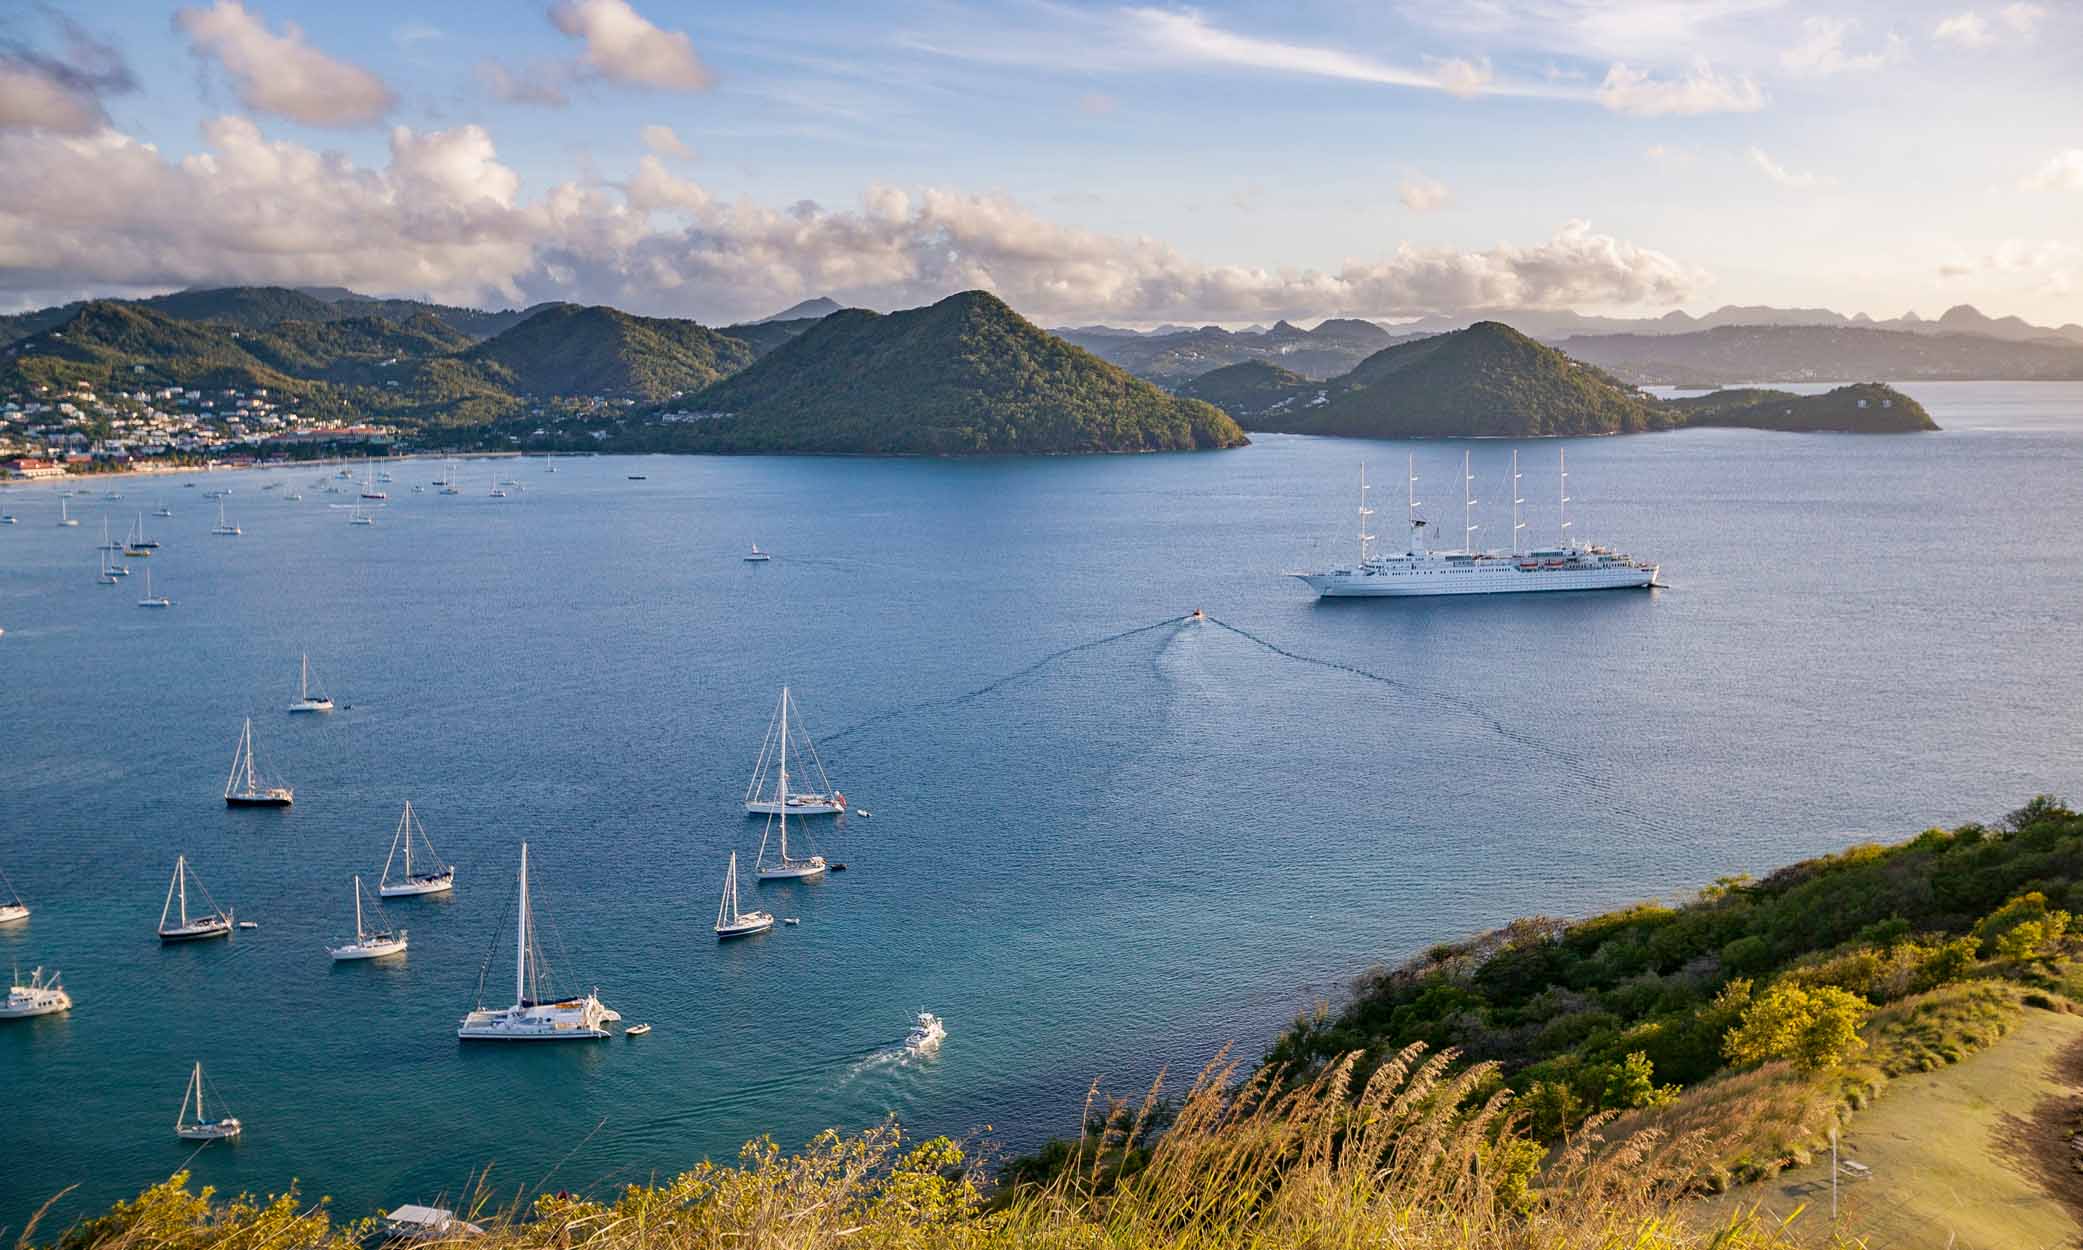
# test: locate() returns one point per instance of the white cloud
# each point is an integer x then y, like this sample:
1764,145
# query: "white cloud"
664,142
1779,173
2062,171
1184,35
622,45
1704,89
444,216
1969,30
2023,18
1422,195
1821,51
538,82
282,74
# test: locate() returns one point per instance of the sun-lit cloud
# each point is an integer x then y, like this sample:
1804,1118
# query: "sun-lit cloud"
1186,35
663,141
1703,89
624,46
60,91
1777,172
2023,18
1421,194
1968,30
2062,171
281,73
1821,50
444,216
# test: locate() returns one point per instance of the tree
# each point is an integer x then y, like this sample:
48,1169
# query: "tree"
2038,809
2024,928
1812,1028
1630,1083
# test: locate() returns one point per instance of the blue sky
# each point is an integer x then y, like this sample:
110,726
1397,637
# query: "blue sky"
1130,163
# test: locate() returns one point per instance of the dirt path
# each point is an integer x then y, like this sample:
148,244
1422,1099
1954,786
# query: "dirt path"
1971,1157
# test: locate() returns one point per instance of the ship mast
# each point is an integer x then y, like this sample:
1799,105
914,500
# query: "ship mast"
1468,525
1366,539
1417,523
1562,505
1517,525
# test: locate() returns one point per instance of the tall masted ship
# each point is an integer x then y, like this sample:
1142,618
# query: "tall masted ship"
1467,571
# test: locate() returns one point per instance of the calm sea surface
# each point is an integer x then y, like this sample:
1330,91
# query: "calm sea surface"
1103,839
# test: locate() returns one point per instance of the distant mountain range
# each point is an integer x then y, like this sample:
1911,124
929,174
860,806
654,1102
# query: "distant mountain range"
1172,357
1490,381
1824,354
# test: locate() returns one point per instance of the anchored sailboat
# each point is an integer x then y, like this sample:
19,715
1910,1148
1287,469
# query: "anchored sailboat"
244,787
306,701
201,1128
222,526
151,600
186,928
429,876
534,1017
730,922
369,942
12,909
785,868
65,518
774,751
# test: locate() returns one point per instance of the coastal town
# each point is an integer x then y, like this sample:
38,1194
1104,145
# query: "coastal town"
55,432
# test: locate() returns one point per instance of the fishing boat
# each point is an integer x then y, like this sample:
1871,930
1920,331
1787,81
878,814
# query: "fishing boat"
202,1128
428,876
730,922
307,701
756,556
151,600
13,910
538,1014
244,787
214,923
222,526
927,1032
65,518
370,942
774,750
41,996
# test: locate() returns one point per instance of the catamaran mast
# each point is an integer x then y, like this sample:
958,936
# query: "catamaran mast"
521,937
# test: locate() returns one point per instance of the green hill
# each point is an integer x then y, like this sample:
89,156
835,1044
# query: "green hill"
1863,408
1252,389
964,376
569,350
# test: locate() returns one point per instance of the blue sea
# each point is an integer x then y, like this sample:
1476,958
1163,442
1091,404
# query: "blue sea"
1105,839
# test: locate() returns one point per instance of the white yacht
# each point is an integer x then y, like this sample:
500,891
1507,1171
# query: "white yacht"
1467,570
42,996
927,1032
428,876
245,787
774,750
307,701
370,942
537,1013
222,526
151,600
215,923
202,1128
730,922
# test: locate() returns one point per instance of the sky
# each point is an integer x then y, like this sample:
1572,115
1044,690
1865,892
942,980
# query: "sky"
1123,163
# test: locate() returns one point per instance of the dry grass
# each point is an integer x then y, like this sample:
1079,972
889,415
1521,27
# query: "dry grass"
1415,1162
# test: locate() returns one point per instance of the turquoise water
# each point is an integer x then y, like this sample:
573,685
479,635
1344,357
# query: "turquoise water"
1103,839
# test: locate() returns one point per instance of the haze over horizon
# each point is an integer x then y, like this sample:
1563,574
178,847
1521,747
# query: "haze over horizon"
1087,163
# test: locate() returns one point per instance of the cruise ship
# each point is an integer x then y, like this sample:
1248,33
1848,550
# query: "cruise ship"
1468,571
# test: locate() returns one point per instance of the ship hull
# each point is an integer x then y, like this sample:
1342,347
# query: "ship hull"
1507,582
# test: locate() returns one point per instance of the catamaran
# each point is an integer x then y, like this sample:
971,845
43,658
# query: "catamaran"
244,787
730,922
306,701
215,923
774,751
429,876
12,910
369,942
533,1016
151,600
202,1128
41,996
1568,565
222,527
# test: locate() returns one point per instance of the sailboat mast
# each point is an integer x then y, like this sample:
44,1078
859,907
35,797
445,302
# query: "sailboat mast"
304,680
782,793
1366,539
357,908
1417,527
1516,501
405,831
1467,506
181,875
1562,507
198,1091
521,936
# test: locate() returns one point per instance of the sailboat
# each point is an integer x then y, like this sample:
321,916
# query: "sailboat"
244,788
306,701
786,867
369,490
773,752
448,481
431,876
212,924
139,541
201,1128
369,943
165,511
106,545
223,528
13,910
756,556
359,517
730,922
496,492
151,600
533,1017
103,576
41,996
65,518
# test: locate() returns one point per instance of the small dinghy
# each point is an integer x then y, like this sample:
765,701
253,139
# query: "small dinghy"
636,1030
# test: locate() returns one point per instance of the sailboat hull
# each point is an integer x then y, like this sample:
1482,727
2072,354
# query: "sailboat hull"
418,887
312,705
13,913
215,1130
366,950
798,805
270,798
580,1021
797,871
747,925
195,933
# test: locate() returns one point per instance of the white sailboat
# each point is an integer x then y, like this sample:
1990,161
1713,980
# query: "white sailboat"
359,517
448,482
369,942
222,527
428,876
41,996
534,1017
786,867
496,492
244,787
202,1128
306,701
756,556
151,600
369,490
186,928
102,576
106,544
730,922
65,518
12,909
774,751
164,510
